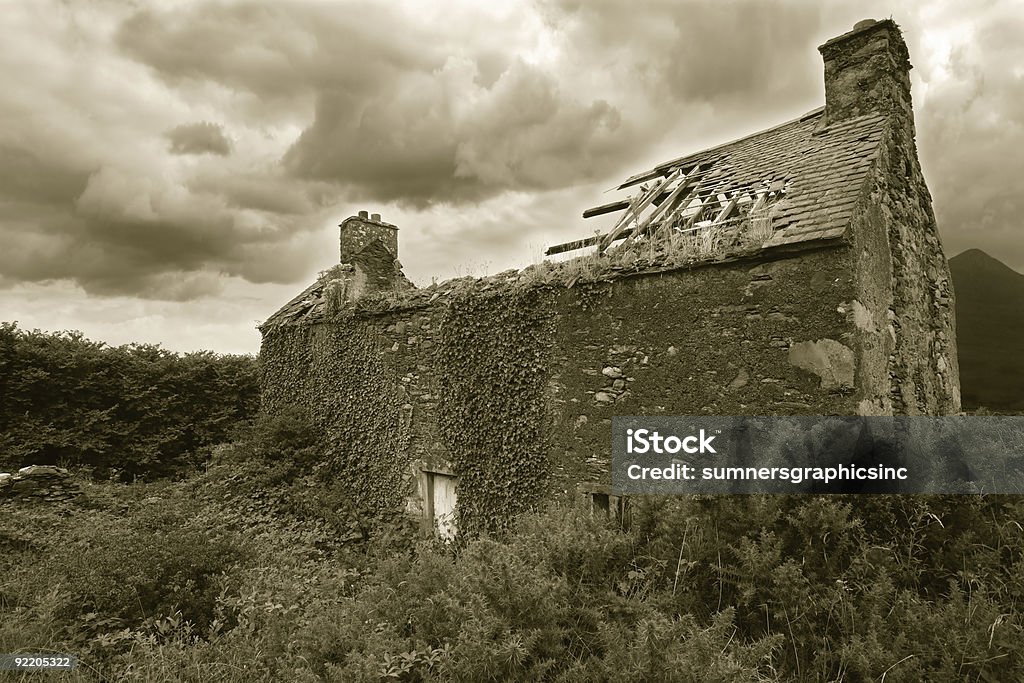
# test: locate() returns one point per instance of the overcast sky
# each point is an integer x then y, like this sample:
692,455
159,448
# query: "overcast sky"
173,172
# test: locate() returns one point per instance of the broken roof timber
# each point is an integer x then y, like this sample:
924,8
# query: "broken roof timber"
621,204
818,167
727,211
581,244
692,164
686,187
610,207
635,211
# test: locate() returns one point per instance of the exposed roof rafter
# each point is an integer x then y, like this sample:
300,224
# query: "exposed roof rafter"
819,170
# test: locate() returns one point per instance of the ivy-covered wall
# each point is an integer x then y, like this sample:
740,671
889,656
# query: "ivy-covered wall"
354,393
493,365
512,385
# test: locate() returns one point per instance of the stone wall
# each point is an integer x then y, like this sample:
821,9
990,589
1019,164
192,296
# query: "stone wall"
776,334
769,337
907,324
38,483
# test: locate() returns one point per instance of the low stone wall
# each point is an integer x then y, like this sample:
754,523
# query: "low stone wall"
38,483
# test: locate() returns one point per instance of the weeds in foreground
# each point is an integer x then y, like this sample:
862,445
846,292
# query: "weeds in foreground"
698,589
247,573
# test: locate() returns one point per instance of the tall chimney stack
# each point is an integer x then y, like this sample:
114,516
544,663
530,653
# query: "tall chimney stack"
868,70
358,232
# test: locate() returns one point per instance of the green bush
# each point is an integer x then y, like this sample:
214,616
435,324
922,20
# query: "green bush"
150,568
140,409
278,459
557,601
716,588
201,581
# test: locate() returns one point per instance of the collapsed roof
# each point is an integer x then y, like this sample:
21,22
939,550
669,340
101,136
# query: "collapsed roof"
799,181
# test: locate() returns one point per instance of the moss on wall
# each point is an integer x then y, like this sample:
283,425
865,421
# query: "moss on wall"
714,340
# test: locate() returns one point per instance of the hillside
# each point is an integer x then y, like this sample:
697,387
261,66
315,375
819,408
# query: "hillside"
990,331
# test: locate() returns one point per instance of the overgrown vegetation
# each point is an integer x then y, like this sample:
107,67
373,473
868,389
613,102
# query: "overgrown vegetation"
345,387
138,409
666,248
243,574
663,249
492,366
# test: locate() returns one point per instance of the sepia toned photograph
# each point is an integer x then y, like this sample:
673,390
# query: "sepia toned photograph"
528,340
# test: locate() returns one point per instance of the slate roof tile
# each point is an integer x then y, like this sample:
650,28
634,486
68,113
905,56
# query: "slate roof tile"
824,167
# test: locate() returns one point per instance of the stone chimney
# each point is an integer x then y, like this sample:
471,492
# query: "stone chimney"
867,70
359,232
369,259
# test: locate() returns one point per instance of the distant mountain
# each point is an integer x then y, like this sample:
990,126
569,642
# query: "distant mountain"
989,330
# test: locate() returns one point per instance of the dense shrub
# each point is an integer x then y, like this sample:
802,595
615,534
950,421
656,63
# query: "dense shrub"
138,408
704,589
556,602
276,448
212,579
279,461
150,568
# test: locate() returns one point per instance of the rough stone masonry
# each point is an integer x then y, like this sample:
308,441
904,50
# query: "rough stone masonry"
42,483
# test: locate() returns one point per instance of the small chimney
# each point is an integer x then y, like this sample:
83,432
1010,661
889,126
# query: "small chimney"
359,232
867,70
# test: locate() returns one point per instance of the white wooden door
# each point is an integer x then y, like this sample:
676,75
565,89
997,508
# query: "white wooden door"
442,499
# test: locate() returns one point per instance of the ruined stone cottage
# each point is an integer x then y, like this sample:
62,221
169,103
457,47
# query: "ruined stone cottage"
797,270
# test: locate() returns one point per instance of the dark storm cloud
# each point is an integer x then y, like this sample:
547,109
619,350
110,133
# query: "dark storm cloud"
103,187
697,51
199,138
128,231
106,180
124,235
279,50
26,178
405,114
260,191
400,114
409,141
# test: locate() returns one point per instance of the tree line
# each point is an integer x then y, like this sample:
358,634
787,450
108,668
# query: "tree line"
136,410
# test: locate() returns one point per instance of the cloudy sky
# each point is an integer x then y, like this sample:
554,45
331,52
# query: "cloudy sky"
173,172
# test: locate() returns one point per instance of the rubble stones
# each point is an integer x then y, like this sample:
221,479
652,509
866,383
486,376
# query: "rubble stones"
42,470
619,386
38,483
